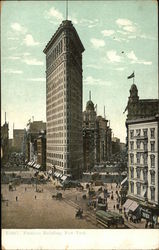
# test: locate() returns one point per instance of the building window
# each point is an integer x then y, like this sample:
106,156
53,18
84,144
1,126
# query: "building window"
138,188
138,144
131,145
145,146
152,158
138,158
132,173
138,132
138,171
152,146
145,132
153,178
152,131
145,175
132,187
131,134
152,194
145,159
131,158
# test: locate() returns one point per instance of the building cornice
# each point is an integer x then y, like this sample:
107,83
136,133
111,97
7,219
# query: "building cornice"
65,25
143,120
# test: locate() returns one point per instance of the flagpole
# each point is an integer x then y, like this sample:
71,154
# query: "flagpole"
66,9
133,77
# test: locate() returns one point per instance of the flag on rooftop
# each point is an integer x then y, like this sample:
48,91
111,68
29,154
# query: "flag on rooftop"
131,76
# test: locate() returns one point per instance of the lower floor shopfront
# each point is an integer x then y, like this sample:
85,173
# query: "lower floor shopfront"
142,210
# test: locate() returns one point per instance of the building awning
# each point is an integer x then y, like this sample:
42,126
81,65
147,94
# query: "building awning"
123,181
32,163
50,171
56,174
64,177
127,204
38,166
133,206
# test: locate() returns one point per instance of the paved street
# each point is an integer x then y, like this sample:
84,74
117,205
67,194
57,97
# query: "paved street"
39,210
42,212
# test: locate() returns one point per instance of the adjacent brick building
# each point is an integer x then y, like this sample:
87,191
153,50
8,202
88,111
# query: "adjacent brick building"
143,153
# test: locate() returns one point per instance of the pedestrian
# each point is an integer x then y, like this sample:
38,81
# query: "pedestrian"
35,197
76,197
114,207
16,198
25,188
146,224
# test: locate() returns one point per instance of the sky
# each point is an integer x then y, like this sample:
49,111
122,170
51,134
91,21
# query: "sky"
119,37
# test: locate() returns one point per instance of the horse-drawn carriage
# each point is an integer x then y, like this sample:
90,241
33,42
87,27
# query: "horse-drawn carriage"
79,213
58,196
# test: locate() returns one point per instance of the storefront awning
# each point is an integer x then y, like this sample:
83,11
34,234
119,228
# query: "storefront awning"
127,204
38,166
133,206
64,177
32,163
124,180
50,171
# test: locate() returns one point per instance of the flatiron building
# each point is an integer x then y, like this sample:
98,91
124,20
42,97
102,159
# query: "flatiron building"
64,150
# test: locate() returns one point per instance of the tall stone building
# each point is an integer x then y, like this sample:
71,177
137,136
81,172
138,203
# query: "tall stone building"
143,154
64,101
89,136
33,131
97,143
5,142
18,138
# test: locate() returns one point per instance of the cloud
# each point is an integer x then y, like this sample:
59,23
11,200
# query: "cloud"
12,71
131,55
37,79
120,39
122,32
120,69
13,38
94,66
97,43
113,57
89,80
144,36
54,13
32,61
18,28
13,57
126,25
29,41
107,32
123,22
129,28
88,22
